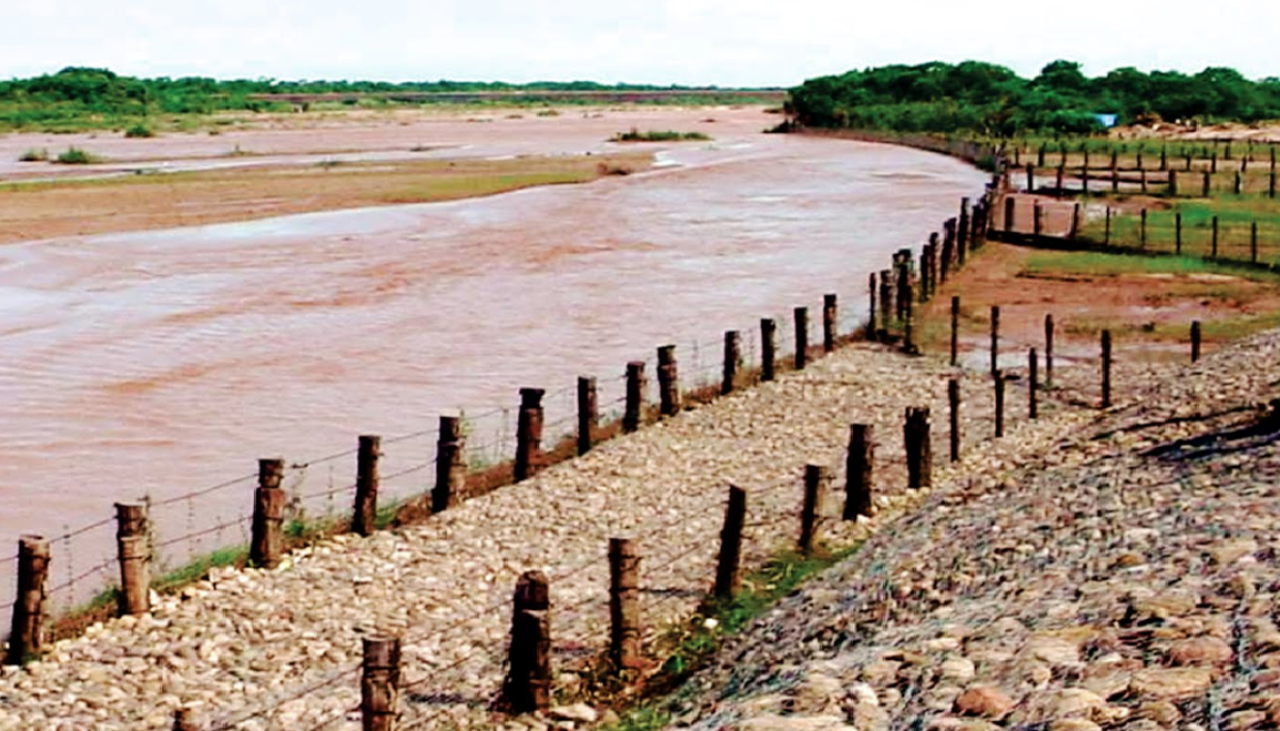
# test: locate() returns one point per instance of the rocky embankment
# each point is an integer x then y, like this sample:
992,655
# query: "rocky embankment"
280,649
1119,574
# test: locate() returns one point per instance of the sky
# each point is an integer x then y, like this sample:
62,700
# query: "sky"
690,42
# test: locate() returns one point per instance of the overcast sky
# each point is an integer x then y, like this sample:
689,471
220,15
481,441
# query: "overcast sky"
737,43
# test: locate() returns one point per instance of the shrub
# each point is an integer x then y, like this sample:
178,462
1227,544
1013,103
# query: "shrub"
34,155
138,131
636,135
76,156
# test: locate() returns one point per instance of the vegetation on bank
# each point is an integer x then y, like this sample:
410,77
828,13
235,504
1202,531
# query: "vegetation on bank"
989,99
668,135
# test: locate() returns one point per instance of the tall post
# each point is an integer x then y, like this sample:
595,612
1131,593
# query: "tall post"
962,232
1031,178
953,401
267,546
364,517
28,636
859,466
955,330
134,550
380,684
1106,369
732,359
948,247
735,515
995,338
528,684
915,430
588,414
886,302
908,324
998,382
529,457
1195,341
1033,385
668,381
871,317
815,478
829,317
624,605
769,346
1009,203
635,396
451,469
802,336
1048,351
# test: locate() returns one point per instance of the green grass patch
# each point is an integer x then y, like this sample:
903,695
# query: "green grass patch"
1112,265
139,131
667,135
199,567
77,156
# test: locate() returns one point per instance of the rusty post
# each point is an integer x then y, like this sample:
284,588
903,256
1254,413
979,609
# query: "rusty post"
915,434
998,382
902,276
1271,184
731,544
1033,384
1106,369
1048,351
769,347
995,337
28,636
529,457
1084,179
187,719
588,414
1213,162
859,467
953,401
624,605
451,469
1195,341
635,396
815,479
802,336
364,517
267,546
528,684
380,684
668,381
955,329
133,544
829,315
732,359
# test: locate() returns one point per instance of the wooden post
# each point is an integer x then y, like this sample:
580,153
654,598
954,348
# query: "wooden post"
829,316
1031,178
1143,240
668,381
134,550
1173,183
1177,233
635,396
588,414
1214,255
1271,185
908,323
451,469
769,346
380,684
1115,173
1084,179
624,605
1106,369
1142,180
529,457
859,466
528,685
902,268
1075,221
1040,155
1038,222
364,517
915,432
28,636
732,358
731,544
948,247
962,232
187,719
1048,351
1239,184
1213,163
1195,341
998,381
1032,384
815,479
871,317
267,546
1106,236
1164,158
953,400
995,338
1057,188
802,336
1206,185
955,329
1009,203
1253,241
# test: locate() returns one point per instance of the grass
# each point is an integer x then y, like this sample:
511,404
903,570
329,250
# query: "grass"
77,156
1113,265
139,131
34,155
635,135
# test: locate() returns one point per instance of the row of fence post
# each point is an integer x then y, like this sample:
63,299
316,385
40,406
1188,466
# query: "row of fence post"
1173,181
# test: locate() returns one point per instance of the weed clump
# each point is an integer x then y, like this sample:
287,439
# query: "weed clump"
76,156
34,155
668,135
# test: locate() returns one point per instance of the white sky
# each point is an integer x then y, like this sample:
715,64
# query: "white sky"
740,43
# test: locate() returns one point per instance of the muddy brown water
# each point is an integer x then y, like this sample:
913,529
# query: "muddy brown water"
161,363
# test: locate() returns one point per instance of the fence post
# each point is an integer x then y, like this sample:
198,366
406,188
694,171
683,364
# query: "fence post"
528,686
1106,369
886,304
1142,178
1038,222
269,500
1239,185
955,329
1115,173
28,635
829,314
953,399
1253,241
1009,203
1214,255
624,605
1075,221
871,318
1106,236
995,337
962,232
364,519
668,381
815,478
1040,155
919,451
1271,184
1213,162
380,683
908,322
1195,341
1206,185
769,345
948,247
588,414
999,386
859,468
802,336
1177,233
731,544
1143,241
1084,179
529,457
187,719
1173,183
635,396
1048,351
1032,384
451,473
1164,158
1031,178
1057,188
134,550
732,358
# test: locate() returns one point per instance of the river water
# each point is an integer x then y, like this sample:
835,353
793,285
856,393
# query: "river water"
161,363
